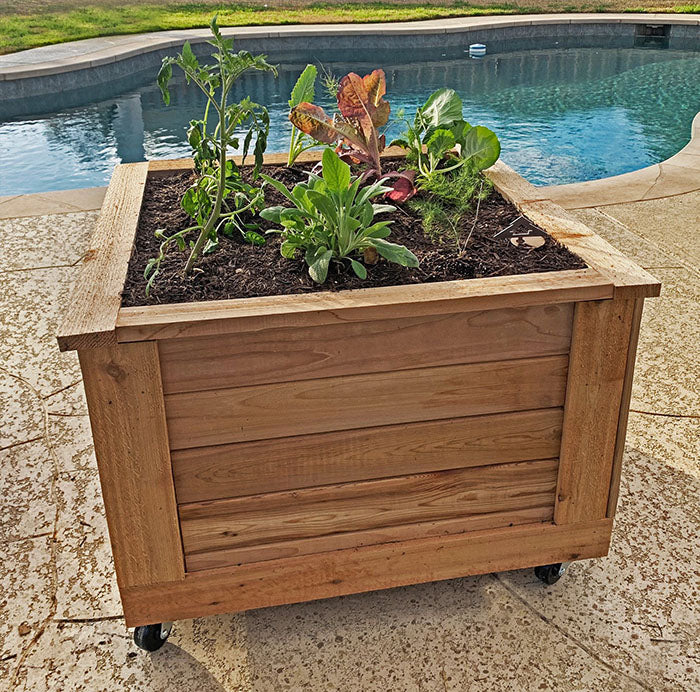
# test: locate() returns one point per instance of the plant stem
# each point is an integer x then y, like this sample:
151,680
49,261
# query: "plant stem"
216,211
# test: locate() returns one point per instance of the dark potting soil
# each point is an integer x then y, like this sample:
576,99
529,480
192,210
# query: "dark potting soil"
240,270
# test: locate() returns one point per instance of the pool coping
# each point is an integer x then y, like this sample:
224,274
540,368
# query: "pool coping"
677,175
94,52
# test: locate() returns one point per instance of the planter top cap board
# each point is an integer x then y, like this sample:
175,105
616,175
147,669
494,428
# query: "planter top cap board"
95,317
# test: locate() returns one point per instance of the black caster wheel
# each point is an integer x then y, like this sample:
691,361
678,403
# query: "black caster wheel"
152,637
551,574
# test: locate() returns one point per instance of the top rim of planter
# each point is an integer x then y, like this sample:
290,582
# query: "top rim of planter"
95,318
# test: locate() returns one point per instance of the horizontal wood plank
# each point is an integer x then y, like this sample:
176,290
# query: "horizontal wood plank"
291,515
221,416
355,539
249,468
91,316
368,568
179,320
166,166
281,355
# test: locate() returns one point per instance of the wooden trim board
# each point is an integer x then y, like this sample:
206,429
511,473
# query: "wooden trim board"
624,409
91,316
325,575
125,401
597,369
179,320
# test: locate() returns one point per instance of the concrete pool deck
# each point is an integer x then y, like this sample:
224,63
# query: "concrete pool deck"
625,622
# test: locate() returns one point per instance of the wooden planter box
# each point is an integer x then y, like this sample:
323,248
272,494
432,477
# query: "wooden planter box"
263,451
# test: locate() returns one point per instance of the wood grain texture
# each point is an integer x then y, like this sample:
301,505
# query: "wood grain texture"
624,409
170,165
281,355
125,401
597,367
340,572
91,317
333,509
286,463
359,305
357,539
222,416
630,280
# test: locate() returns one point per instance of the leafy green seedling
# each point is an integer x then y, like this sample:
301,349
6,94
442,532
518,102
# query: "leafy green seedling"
333,219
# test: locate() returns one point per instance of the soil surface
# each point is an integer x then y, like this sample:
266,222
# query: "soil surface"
240,270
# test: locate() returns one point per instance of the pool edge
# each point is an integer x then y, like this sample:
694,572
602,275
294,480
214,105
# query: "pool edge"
95,53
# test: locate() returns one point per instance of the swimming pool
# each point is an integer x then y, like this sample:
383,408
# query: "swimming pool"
563,114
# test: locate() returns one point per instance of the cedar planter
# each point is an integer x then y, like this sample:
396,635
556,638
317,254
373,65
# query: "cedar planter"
358,440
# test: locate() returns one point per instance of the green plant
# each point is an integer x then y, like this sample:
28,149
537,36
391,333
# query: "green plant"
355,131
219,196
439,140
332,218
303,91
445,202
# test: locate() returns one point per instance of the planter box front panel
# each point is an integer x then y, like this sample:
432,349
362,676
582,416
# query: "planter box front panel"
278,450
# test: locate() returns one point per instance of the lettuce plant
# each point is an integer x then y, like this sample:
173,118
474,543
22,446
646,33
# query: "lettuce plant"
363,111
219,196
439,140
332,219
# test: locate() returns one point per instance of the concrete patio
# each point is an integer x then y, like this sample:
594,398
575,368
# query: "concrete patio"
626,622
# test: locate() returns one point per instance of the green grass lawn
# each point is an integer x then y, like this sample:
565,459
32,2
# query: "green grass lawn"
42,22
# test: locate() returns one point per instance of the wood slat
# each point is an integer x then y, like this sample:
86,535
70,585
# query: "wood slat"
221,416
281,355
332,509
359,305
125,400
597,367
91,316
624,409
249,468
630,280
357,539
160,167
384,566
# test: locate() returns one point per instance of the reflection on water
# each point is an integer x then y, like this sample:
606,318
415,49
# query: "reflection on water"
563,115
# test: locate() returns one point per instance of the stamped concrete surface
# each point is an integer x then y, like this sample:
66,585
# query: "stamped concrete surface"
626,622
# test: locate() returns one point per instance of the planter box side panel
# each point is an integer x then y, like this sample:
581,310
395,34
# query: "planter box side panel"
283,451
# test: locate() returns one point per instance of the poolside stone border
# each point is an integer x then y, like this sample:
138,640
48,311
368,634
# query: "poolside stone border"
675,176
93,54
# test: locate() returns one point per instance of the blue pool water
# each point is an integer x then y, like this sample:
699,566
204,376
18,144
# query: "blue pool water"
563,115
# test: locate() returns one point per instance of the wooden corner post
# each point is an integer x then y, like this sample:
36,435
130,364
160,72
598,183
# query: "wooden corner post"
127,412
601,365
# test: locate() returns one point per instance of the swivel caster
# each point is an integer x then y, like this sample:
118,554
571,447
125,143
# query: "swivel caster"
152,637
551,574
